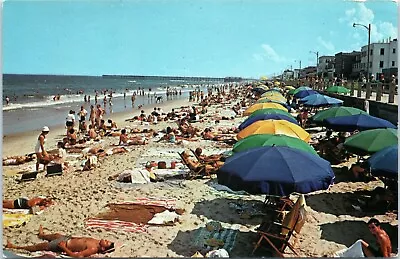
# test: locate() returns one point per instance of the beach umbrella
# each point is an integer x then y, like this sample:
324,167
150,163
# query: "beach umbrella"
385,162
261,140
251,120
262,86
336,112
272,93
371,141
301,88
259,106
276,171
273,98
337,89
258,90
304,93
274,127
267,100
289,87
357,122
318,100
270,111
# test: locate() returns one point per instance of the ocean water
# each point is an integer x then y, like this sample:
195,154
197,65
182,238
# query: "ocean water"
31,97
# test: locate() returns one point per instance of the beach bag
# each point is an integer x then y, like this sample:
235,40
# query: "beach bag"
162,165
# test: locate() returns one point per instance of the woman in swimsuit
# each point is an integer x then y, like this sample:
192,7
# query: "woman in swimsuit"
41,154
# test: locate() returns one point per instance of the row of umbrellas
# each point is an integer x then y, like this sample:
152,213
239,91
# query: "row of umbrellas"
272,155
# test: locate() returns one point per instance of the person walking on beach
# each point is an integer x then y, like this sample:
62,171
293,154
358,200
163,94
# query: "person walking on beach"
82,117
133,100
72,246
7,100
99,115
41,155
382,239
70,120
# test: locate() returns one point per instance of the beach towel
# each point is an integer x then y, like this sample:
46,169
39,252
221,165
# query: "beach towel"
163,218
15,220
125,226
354,250
225,238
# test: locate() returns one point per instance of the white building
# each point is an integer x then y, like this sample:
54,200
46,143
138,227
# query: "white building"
326,66
383,55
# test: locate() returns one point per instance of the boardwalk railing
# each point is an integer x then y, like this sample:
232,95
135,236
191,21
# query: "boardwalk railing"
380,89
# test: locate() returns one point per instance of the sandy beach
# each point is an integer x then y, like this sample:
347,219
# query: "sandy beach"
331,225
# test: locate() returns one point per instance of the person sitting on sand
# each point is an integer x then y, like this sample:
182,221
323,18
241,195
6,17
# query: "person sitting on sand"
18,160
112,124
41,153
384,246
23,203
92,133
381,200
359,171
72,246
71,137
125,140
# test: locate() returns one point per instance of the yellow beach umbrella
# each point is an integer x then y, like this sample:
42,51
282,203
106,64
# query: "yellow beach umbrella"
289,87
276,83
274,98
264,78
259,106
274,127
271,93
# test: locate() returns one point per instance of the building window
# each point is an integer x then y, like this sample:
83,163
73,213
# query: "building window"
370,52
382,51
393,63
394,50
380,64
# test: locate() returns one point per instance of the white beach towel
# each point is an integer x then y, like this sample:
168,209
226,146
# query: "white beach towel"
164,218
138,176
354,250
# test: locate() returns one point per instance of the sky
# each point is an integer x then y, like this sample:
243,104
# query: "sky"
186,37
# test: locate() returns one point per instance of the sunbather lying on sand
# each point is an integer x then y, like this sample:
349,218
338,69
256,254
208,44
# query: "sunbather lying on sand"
125,140
208,135
17,160
23,203
72,246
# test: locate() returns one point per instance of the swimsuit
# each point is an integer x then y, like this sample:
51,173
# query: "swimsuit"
21,203
53,245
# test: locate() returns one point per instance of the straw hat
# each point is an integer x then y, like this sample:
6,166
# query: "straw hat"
45,129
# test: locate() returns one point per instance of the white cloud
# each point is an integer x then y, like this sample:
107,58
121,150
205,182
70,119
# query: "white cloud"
326,44
363,15
268,54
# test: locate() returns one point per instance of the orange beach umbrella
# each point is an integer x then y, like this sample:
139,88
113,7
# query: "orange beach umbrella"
274,127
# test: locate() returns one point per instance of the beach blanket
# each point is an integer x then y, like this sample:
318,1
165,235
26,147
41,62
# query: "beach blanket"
15,220
118,225
219,238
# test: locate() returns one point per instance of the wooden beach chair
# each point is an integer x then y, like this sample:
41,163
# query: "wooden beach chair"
277,204
195,171
277,235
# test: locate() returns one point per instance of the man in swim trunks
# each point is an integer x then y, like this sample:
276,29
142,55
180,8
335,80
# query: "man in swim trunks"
383,240
72,246
23,203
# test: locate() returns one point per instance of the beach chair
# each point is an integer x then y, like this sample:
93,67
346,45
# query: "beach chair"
28,177
54,170
195,171
277,205
277,235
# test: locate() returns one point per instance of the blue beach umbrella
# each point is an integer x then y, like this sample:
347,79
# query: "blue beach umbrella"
304,93
318,100
384,162
276,170
251,120
357,122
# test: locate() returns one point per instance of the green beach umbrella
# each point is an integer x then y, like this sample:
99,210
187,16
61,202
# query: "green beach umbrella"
301,88
371,141
271,111
291,91
260,140
336,112
337,90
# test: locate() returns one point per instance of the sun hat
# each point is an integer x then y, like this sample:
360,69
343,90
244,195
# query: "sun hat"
45,129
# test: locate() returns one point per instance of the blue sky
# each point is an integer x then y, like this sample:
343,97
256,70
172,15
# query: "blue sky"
186,37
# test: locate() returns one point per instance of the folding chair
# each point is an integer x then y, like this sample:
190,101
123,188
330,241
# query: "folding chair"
195,171
28,177
278,234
